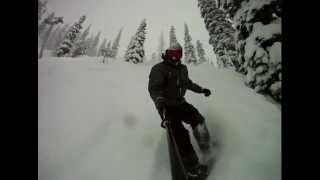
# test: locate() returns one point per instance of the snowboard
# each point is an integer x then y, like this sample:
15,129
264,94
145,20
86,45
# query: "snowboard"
178,170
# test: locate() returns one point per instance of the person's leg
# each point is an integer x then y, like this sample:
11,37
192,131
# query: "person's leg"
182,139
185,147
176,169
200,131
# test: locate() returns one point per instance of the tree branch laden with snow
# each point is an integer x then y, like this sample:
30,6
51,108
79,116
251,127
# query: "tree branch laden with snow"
201,52
221,33
115,45
135,51
258,41
66,46
189,51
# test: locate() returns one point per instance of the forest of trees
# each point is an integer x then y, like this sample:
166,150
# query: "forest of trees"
258,41
65,40
73,40
245,36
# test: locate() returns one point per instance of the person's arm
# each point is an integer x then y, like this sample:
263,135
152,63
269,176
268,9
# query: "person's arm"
155,85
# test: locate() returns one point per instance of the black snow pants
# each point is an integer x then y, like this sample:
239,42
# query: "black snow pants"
190,115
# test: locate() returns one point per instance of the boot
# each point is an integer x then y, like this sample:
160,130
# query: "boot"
198,172
201,134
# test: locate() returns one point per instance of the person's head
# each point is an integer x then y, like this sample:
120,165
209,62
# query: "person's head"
174,52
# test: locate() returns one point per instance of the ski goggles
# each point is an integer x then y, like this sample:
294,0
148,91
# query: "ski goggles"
174,54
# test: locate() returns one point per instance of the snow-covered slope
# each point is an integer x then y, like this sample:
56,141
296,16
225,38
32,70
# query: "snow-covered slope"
97,121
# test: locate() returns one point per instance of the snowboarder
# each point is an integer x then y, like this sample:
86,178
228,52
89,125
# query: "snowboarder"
168,82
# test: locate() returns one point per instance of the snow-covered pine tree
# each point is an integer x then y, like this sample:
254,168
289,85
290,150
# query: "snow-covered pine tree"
60,36
51,22
79,48
258,40
106,52
135,51
93,49
44,26
85,33
65,47
201,52
42,8
189,51
115,45
102,46
52,39
87,44
89,41
221,33
96,43
172,36
161,47
81,45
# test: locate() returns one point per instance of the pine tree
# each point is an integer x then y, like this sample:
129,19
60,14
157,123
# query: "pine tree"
258,41
42,8
66,46
79,48
52,39
135,51
89,43
161,46
81,45
115,45
106,52
172,36
102,46
85,33
221,33
93,49
201,52
51,22
41,28
60,36
44,26
189,51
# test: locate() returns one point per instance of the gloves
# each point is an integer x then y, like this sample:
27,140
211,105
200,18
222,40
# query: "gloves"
206,92
160,104
164,123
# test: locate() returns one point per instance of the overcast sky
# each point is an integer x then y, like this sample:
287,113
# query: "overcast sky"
108,16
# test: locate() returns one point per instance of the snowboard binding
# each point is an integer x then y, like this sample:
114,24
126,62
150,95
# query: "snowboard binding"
200,172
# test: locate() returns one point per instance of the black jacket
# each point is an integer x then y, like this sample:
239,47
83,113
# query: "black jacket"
170,81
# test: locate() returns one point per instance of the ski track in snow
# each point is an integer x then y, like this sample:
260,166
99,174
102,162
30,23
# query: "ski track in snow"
97,121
